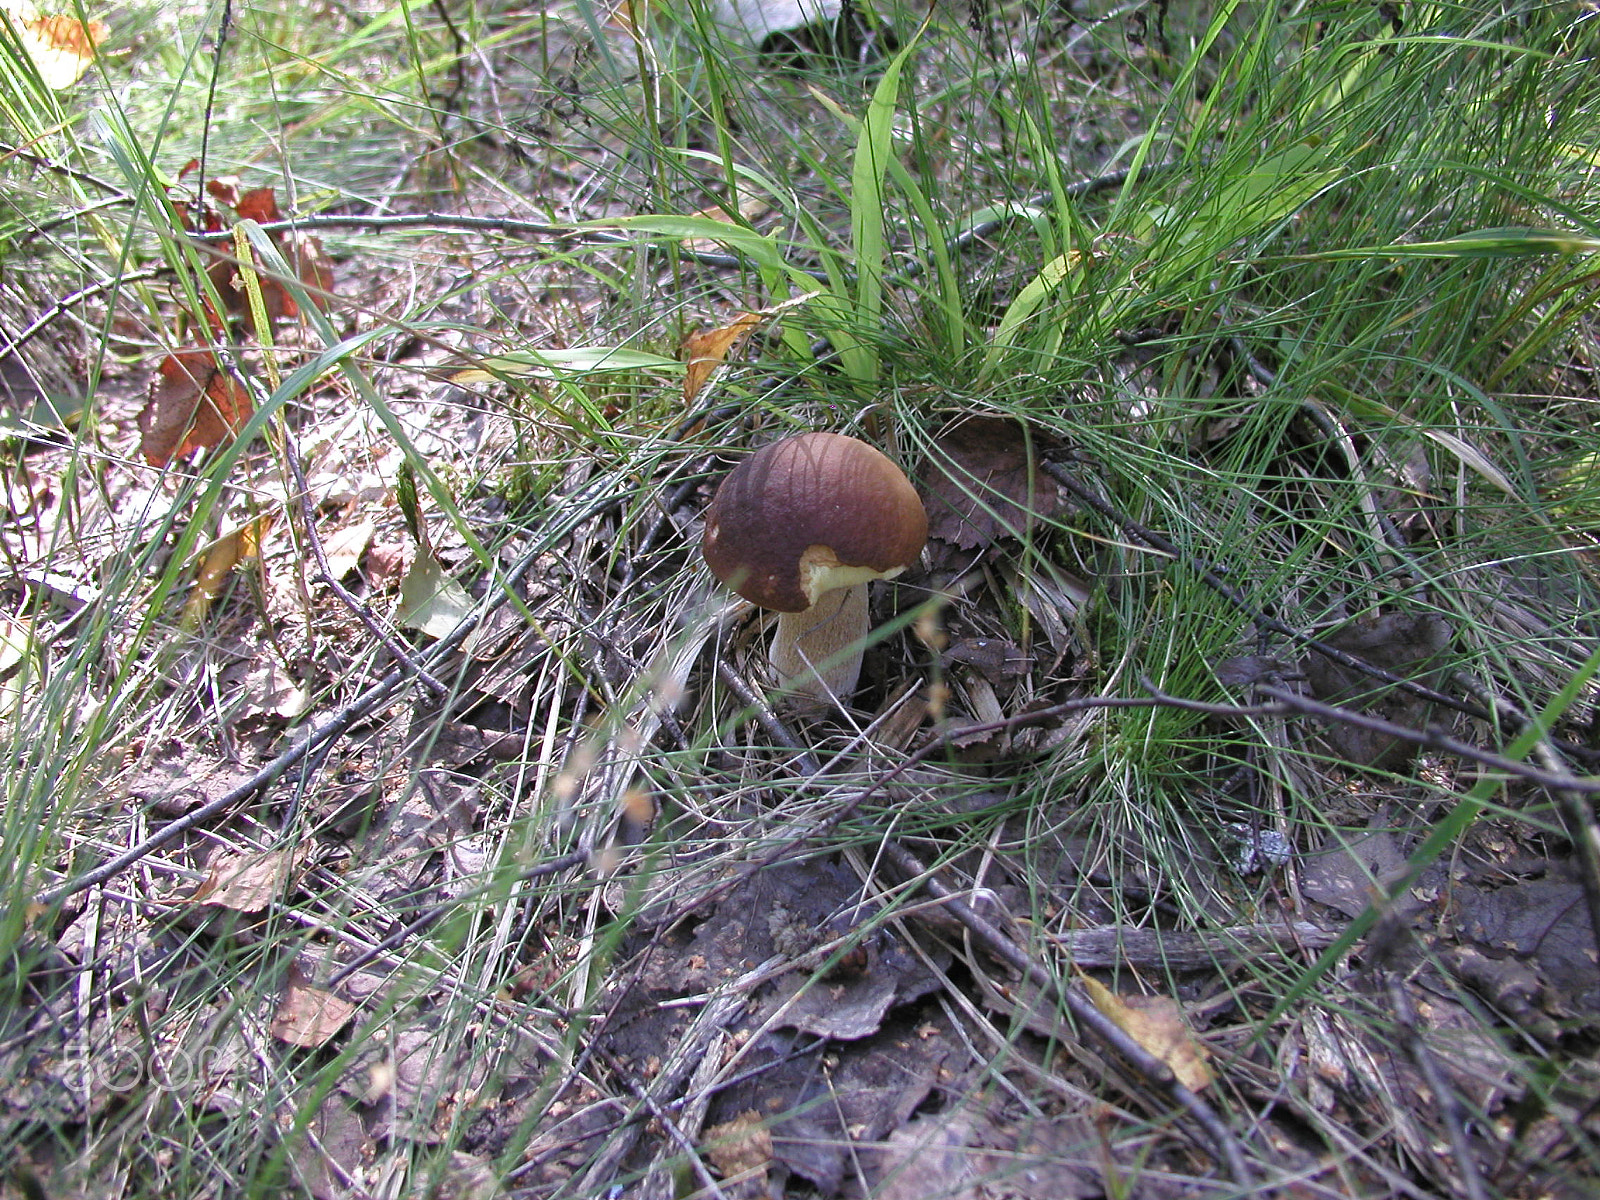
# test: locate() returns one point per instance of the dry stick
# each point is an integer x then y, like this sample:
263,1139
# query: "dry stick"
59,168
333,727
362,612
1087,1015
766,718
1444,1096
1285,702
63,305
670,1127
1233,596
678,1067
400,936
1288,701
1083,1011
263,777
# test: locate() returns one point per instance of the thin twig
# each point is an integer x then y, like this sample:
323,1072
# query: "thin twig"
1430,739
63,305
361,611
1445,1099
263,777
768,720
59,168
269,772
432,914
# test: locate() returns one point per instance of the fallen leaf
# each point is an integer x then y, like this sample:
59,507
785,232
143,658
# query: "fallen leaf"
1413,645
741,1148
705,350
193,405
331,1150
258,204
430,601
224,189
1157,1024
308,1016
310,261
1243,670
388,563
246,882
751,207
344,547
224,554
271,690
62,48
996,659
985,484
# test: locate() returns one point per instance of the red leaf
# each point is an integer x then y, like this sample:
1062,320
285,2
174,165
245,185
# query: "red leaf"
193,405
258,204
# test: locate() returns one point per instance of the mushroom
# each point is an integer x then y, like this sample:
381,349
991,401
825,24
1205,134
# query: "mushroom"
802,526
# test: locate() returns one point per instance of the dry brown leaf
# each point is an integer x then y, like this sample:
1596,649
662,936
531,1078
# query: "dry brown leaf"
1414,645
986,484
269,690
309,1016
740,1148
258,204
304,254
388,563
193,405
246,882
705,350
1157,1024
751,207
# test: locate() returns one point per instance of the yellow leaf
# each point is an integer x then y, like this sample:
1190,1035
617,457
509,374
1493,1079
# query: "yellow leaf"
227,552
1157,1024
62,48
705,350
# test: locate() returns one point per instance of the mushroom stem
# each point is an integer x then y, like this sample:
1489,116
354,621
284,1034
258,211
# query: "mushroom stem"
817,653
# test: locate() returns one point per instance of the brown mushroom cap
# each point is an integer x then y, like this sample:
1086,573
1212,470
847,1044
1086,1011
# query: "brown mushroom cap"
810,513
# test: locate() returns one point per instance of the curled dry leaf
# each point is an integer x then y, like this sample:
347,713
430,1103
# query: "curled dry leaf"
1414,645
224,554
705,350
193,405
430,600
